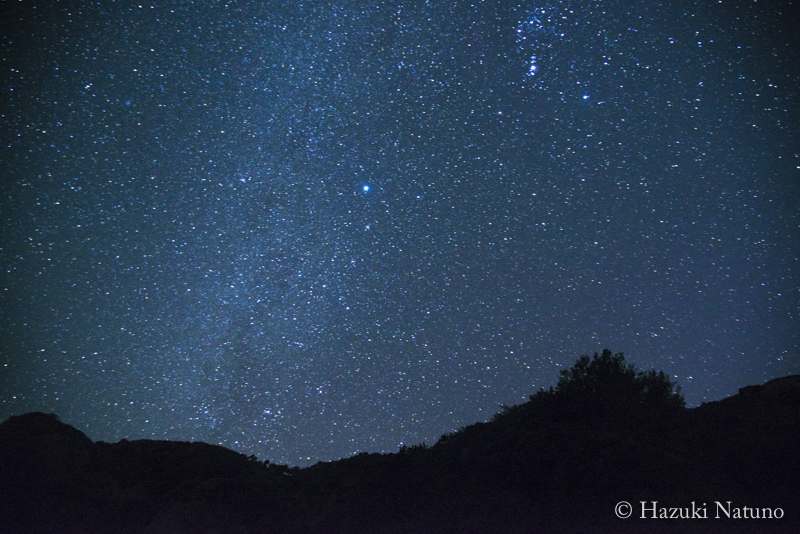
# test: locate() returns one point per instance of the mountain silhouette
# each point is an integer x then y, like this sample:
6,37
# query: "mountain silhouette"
566,461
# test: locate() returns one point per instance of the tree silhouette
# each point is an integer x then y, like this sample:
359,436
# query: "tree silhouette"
609,387
604,389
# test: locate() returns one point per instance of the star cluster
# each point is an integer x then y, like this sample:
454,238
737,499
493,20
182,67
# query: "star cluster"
308,230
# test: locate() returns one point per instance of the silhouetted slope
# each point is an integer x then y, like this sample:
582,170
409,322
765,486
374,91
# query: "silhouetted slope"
557,463
751,441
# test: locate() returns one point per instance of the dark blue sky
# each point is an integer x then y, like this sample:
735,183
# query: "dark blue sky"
308,230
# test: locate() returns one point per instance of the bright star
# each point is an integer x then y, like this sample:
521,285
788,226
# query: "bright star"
366,188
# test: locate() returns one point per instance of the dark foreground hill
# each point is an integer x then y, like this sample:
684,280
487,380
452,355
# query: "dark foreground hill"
567,461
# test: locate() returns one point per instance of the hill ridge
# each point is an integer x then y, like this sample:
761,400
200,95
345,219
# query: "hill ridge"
529,471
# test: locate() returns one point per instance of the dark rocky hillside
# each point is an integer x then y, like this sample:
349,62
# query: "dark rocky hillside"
558,463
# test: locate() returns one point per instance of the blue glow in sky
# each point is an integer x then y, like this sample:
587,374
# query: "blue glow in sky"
186,254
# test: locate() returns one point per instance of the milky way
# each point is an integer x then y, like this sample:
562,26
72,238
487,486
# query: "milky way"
303,231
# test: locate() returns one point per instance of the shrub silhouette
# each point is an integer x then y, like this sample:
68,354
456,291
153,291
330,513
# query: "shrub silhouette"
604,389
608,381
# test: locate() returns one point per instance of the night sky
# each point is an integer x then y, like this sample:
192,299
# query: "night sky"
308,229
